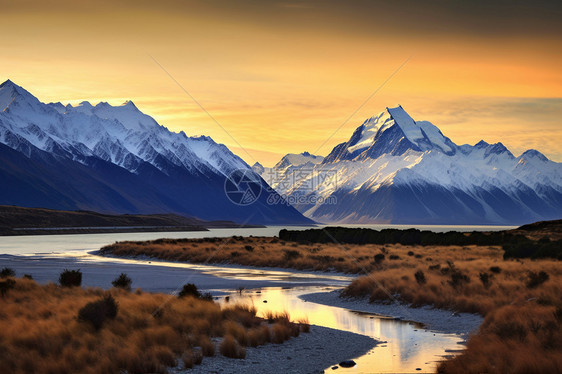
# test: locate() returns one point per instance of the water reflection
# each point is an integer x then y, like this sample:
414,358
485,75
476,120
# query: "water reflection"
407,346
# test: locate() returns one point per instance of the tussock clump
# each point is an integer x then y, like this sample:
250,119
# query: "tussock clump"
207,346
379,258
536,279
229,347
420,277
485,279
97,312
6,285
280,333
304,325
495,269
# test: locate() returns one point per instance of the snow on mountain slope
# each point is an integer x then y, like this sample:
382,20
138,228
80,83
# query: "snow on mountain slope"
283,171
394,169
121,134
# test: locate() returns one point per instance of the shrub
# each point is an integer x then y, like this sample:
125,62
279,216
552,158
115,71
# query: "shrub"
189,289
458,278
410,253
70,278
6,285
249,248
495,269
28,276
485,279
122,281
97,312
536,279
291,254
420,277
379,258
394,257
7,272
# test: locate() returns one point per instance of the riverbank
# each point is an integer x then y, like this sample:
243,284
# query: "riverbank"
440,320
312,352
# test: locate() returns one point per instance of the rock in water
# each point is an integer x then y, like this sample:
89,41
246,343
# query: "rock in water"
347,364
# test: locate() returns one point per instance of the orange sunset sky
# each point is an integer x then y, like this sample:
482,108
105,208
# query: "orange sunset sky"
283,76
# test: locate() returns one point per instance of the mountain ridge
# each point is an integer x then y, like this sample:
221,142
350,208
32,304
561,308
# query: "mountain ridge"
397,170
116,159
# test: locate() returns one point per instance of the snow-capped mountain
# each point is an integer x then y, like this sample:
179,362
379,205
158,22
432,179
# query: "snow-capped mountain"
394,169
115,159
285,167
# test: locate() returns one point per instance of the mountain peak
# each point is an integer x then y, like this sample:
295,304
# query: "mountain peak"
9,92
533,153
7,83
392,132
298,159
129,104
258,168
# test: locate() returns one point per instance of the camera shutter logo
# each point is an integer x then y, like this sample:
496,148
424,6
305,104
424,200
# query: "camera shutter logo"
243,186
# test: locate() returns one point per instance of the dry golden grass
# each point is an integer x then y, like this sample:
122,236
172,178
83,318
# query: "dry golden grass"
40,331
268,252
230,347
522,330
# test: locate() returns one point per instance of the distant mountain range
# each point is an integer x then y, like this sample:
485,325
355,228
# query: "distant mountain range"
397,170
116,159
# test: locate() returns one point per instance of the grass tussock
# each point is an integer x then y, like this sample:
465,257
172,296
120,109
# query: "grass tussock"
55,329
230,347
